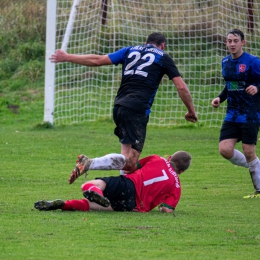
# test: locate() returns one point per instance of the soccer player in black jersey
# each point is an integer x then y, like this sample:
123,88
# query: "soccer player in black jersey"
241,72
143,67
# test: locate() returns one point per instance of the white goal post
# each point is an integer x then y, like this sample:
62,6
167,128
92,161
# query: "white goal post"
195,33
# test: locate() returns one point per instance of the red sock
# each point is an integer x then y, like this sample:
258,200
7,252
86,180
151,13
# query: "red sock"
81,205
91,186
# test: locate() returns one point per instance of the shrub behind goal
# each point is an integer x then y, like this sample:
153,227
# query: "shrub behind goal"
195,33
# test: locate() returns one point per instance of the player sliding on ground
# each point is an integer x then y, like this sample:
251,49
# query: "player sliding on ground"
154,182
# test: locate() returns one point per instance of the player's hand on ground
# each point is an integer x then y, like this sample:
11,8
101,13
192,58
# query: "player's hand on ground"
192,117
59,56
164,209
215,102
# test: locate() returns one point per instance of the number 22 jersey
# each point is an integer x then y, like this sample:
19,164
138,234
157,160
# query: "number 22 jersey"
143,67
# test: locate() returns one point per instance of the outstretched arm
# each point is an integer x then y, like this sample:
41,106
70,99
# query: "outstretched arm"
185,96
91,60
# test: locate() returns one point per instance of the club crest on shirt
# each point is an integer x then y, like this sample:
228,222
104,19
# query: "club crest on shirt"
242,67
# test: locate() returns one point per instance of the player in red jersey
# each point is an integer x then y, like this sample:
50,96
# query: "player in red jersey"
154,182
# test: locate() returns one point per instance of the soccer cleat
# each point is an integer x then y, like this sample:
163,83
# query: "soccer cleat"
82,166
93,196
255,195
49,205
73,176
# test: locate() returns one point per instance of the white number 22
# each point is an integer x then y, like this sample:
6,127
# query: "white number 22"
129,71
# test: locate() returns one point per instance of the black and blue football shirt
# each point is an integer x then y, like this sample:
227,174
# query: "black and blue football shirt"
143,67
239,74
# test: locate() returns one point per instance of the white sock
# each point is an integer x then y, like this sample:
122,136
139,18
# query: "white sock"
112,161
122,172
254,170
239,159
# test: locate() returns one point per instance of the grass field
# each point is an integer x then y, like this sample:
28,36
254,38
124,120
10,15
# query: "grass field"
212,220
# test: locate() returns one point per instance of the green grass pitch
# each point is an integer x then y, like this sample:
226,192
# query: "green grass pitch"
212,220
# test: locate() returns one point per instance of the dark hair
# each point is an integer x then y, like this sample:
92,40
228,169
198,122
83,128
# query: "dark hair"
237,32
181,161
156,38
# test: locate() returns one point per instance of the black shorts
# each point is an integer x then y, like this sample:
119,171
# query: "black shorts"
245,132
130,126
121,192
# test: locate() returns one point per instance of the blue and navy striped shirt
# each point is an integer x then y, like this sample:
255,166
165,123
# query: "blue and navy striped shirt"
143,67
239,74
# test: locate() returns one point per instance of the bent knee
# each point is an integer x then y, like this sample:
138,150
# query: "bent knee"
227,154
226,149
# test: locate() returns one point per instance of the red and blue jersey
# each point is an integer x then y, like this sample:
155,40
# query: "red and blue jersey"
155,183
143,67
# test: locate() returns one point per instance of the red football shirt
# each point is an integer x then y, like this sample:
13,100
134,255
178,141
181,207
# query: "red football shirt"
155,183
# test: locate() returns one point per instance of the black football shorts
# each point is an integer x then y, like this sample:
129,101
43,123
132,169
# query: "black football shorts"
120,191
245,132
130,126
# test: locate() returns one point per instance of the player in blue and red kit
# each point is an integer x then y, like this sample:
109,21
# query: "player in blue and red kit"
241,72
154,182
143,67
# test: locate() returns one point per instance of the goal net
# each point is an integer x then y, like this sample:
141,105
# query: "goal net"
195,31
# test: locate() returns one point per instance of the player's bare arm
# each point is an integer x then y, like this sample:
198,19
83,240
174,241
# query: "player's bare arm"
185,96
91,60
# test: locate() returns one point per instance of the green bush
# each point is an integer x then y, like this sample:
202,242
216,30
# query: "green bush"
22,47
31,71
